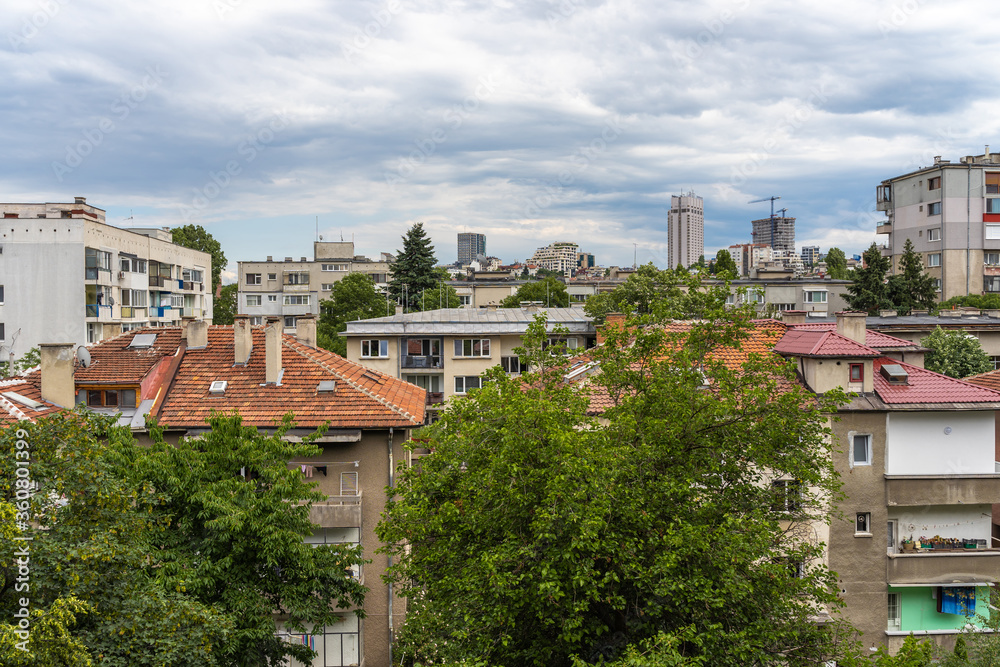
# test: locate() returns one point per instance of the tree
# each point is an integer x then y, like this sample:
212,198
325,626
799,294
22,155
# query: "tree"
836,264
724,264
955,354
551,293
29,359
164,554
982,301
442,295
664,293
534,533
224,308
413,271
868,290
912,288
196,238
355,297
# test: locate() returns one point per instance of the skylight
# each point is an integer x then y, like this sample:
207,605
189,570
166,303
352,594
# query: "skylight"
143,340
218,387
23,400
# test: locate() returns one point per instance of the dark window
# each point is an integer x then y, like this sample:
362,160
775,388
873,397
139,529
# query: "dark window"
787,495
863,523
857,372
861,450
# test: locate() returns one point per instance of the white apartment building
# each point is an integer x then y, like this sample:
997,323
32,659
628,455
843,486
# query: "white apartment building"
68,276
685,230
951,214
560,256
289,288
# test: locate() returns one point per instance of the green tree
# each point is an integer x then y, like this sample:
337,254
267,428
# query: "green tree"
665,293
868,291
29,359
836,264
413,271
196,238
912,288
982,301
355,297
535,533
955,354
550,292
724,265
442,295
224,308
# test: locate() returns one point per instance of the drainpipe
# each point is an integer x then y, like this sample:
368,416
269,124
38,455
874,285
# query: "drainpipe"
968,230
392,484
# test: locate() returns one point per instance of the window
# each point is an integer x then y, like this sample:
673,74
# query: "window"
256,320
861,450
297,278
95,261
992,232
253,279
814,296
934,209
934,259
993,205
377,277
289,322
111,398
787,495
784,306
334,267
472,347
272,298
1,294
863,523
934,234
371,349
192,275
857,372
348,483
464,300
296,299
513,365
993,184
937,284
464,383
272,276
327,287
253,299
895,613
3,333
934,183
989,258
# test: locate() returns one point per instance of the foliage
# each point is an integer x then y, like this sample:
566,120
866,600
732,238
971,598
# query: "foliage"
665,293
955,354
29,359
413,271
836,264
225,308
913,653
550,292
163,554
725,266
912,288
536,535
442,295
196,238
868,291
355,297
981,301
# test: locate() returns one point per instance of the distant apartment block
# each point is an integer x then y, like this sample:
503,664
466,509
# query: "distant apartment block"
289,289
68,276
951,214
685,230
585,260
749,255
561,256
777,232
810,255
470,246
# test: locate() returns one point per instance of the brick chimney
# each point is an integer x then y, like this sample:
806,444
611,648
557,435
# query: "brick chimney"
243,340
57,374
305,329
197,334
793,316
851,324
272,350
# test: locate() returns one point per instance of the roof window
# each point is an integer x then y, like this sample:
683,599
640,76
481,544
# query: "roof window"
326,387
143,340
895,374
218,387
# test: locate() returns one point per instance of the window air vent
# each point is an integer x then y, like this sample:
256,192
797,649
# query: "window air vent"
218,387
326,387
894,374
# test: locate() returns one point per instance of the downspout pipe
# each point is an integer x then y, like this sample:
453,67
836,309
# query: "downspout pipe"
392,485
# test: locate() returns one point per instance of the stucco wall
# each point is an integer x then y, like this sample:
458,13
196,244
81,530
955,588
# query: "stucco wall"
918,444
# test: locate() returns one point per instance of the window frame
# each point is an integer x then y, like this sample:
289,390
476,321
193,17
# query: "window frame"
934,183
335,267
934,208
863,524
465,380
933,260
253,278
807,296
381,343
254,300
296,300
853,444
934,234
465,348
860,368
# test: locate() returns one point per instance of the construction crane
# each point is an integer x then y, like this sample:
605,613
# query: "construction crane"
770,199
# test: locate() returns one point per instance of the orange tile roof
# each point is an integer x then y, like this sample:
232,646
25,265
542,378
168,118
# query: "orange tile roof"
29,386
990,380
876,339
114,362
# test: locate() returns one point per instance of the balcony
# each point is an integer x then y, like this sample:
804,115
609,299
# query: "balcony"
983,489
435,397
946,567
159,281
422,361
131,312
884,227
337,512
100,311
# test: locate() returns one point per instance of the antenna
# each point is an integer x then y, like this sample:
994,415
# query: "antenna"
317,229
131,217
83,354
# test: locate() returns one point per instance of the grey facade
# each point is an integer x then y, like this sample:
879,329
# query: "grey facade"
777,232
470,246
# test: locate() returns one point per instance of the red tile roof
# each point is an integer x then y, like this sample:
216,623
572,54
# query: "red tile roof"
989,380
29,386
809,343
114,362
926,386
875,339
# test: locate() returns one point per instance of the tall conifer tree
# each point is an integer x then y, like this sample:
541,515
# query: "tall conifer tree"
413,271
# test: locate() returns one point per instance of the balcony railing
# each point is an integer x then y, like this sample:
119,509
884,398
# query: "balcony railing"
337,512
921,491
98,310
936,566
423,361
133,311
435,397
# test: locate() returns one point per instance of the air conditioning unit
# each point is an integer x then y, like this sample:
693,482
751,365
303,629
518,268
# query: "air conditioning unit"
121,275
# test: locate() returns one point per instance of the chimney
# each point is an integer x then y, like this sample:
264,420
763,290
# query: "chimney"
399,309
83,200
272,350
851,324
793,316
186,321
305,329
243,340
197,334
57,374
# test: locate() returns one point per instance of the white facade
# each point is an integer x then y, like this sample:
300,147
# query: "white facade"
66,276
685,230
940,443
560,256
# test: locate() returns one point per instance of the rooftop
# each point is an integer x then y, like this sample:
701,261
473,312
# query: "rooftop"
451,321
819,343
927,387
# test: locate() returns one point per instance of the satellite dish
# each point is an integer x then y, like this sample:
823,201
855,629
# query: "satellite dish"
83,355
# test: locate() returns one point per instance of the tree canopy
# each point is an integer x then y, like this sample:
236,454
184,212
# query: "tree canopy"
164,554
955,354
441,295
869,291
225,308
912,288
355,297
549,291
196,238
413,270
665,293
725,266
983,301
836,264
536,535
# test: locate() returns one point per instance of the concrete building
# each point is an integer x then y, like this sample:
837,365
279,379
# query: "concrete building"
446,351
561,256
289,289
470,247
951,214
68,276
685,230
747,256
777,232
810,255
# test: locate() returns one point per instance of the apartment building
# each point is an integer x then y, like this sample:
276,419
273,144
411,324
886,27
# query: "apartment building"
951,214
289,289
747,256
810,255
67,275
561,256
685,230
776,231
446,351
470,247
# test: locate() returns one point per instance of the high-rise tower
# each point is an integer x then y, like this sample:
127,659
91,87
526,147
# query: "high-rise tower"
685,230
470,245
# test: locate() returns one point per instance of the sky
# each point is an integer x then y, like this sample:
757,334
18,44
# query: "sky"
529,121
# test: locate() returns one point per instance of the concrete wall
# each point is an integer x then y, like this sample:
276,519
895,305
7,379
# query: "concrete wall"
825,374
918,444
958,521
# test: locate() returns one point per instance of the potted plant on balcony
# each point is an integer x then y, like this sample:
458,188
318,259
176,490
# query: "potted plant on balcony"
909,545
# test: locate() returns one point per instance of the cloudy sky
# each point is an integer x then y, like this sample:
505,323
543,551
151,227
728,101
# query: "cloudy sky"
530,121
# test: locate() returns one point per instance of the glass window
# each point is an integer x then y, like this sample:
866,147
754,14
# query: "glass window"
289,322
861,450
296,299
934,259
993,205
374,348
993,184
513,365
464,383
895,612
934,234
934,183
253,299
334,267
297,278
787,495
857,372
253,279
814,297
934,209
989,258
472,347
272,298
992,232
863,523
272,276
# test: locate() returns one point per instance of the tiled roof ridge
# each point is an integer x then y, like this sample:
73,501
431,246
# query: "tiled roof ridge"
293,344
12,409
